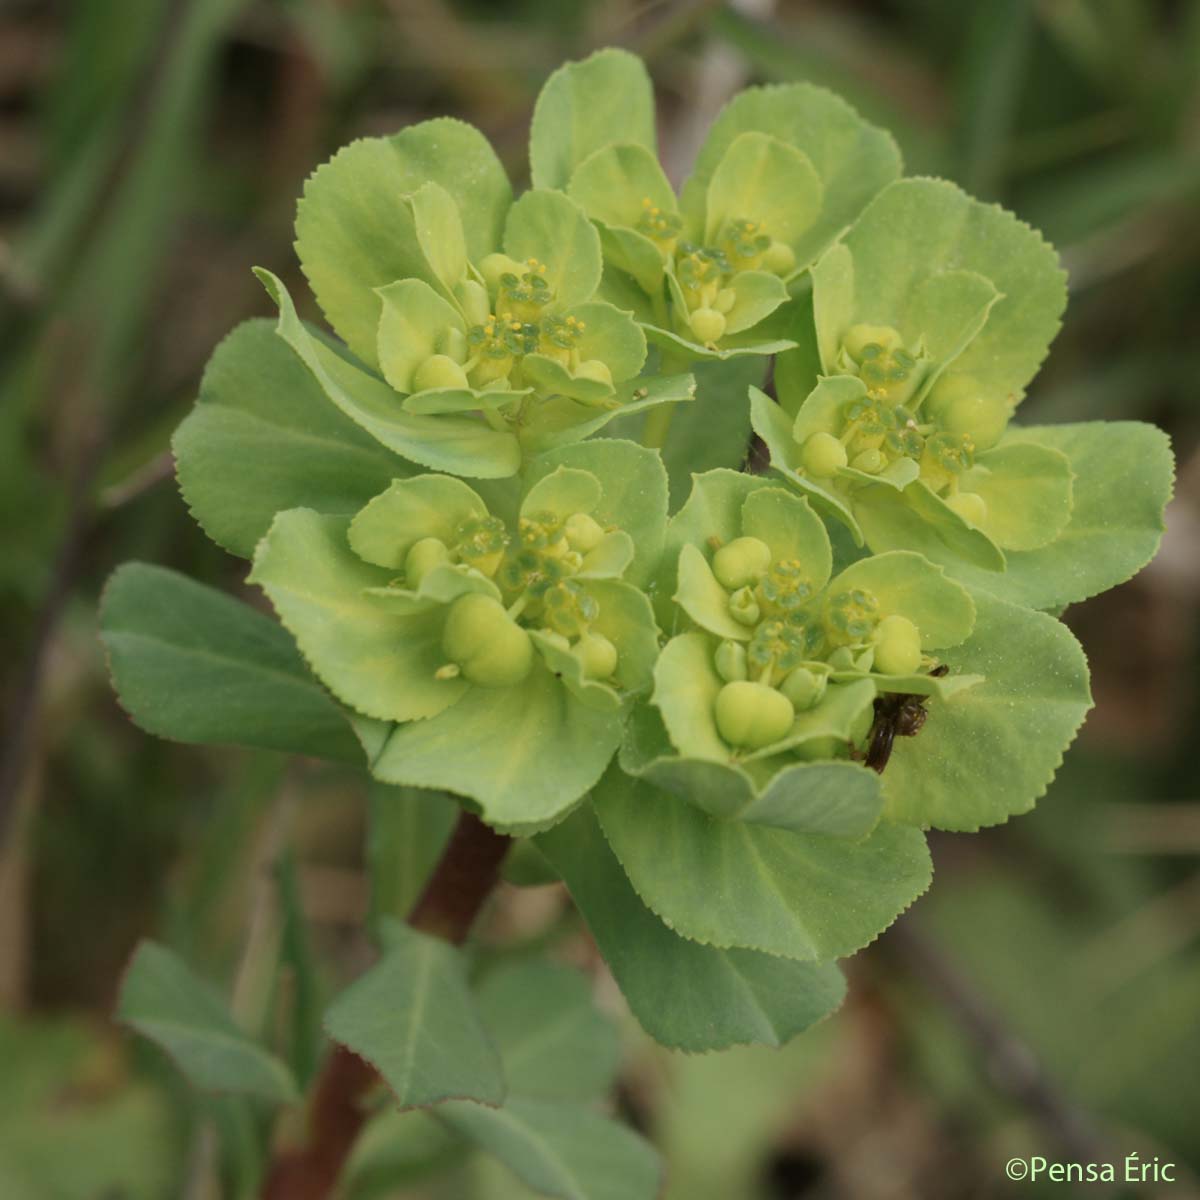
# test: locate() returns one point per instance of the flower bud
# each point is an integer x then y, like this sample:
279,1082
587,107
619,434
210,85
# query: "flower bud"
707,324
859,337
752,715
583,532
823,455
421,558
743,607
804,688
473,297
730,661
970,506
741,562
439,371
958,406
871,462
780,259
897,646
485,643
594,370
597,654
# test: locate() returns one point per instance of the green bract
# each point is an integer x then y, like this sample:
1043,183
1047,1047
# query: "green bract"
475,322
931,317
776,661
782,171
431,610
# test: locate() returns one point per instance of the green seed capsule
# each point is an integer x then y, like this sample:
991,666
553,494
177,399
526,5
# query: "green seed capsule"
743,607
742,561
970,506
780,259
597,654
859,337
730,661
870,462
707,324
957,405
485,643
726,299
583,532
897,646
804,688
439,371
823,455
421,558
752,715
493,266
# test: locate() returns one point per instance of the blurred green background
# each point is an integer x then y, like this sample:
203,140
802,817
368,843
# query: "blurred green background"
1043,999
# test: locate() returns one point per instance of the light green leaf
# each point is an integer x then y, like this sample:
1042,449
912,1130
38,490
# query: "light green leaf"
412,1017
731,883
990,752
561,1150
904,583
685,690
612,185
613,337
163,1000
263,437
525,754
633,493
763,179
412,509
1123,476
413,324
852,158
354,226
687,996
194,665
439,233
379,662
757,294
456,444
580,109
633,260
703,599
553,1042
793,531
554,230
917,228
566,490
916,519
1027,489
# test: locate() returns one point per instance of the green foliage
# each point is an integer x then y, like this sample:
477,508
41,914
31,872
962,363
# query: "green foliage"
243,680
725,732
412,1017
165,1002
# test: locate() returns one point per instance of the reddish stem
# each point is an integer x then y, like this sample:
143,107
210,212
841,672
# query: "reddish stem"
463,879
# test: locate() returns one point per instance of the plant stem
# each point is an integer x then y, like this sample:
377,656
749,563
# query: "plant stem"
463,879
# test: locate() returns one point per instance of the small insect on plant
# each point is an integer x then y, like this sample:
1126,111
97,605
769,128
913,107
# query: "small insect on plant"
896,716
521,581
